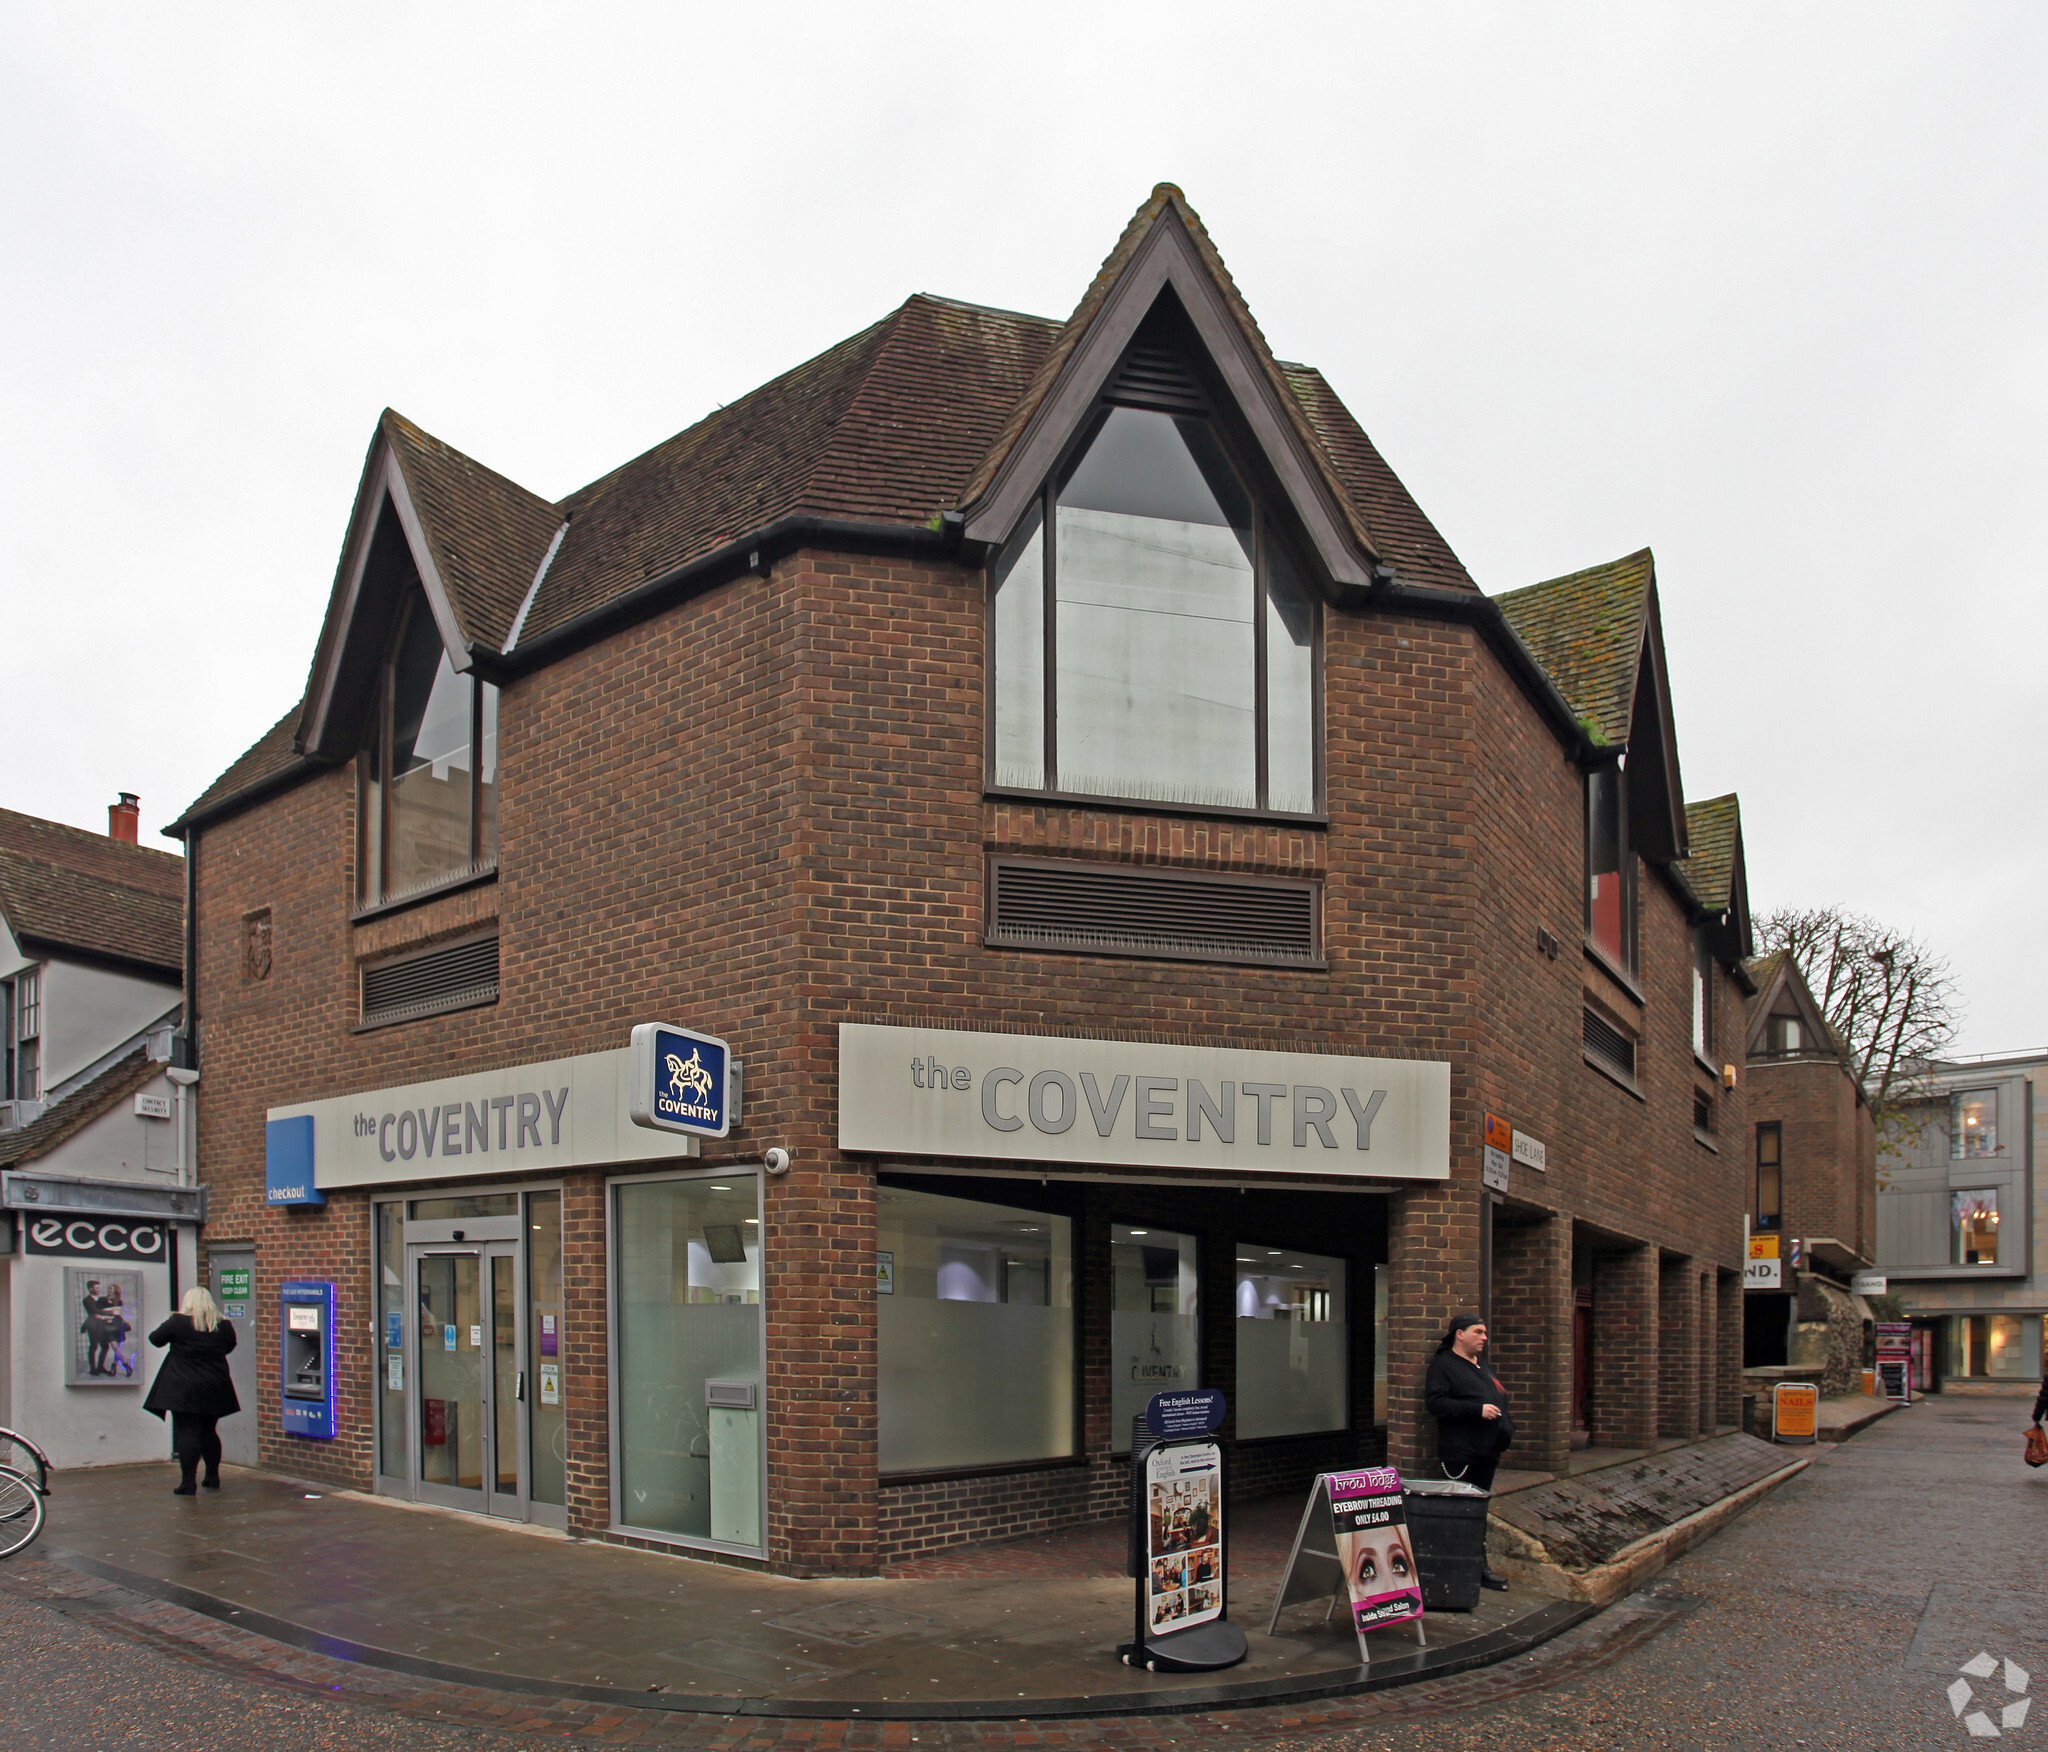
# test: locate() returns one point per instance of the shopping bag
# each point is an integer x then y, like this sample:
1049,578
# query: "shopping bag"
2037,1446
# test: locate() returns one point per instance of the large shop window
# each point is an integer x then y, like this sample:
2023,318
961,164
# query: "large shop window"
1293,1343
1155,1331
686,1269
1972,1123
1182,642
427,782
1973,1226
1999,1347
975,1324
1610,869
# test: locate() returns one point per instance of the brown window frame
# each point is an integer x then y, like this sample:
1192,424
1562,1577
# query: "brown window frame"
1046,500
373,767
1774,1131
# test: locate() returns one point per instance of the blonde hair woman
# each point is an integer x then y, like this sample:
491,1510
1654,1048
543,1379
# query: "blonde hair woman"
194,1387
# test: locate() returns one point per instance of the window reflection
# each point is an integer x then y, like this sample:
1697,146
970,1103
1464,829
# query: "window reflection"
975,1328
1154,1322
1973,1123
1974,1225
1175,606
1293,1342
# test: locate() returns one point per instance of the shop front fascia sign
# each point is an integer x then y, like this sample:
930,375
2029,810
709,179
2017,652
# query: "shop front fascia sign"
1763,1270
1043,1098
562,1113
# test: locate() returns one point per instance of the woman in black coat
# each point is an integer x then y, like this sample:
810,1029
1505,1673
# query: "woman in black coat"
1473,1425
193,1386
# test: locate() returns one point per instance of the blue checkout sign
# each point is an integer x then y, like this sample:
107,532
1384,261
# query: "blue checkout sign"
1195,1413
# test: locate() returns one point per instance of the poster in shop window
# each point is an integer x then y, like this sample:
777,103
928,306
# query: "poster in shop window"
102,1327
1183,1536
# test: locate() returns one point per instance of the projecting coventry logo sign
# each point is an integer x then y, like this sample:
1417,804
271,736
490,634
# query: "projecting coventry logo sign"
682,1081
1039,1098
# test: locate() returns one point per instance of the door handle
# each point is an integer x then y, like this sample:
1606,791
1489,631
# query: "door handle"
519,1386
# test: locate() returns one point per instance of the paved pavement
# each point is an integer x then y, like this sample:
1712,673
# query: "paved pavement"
1836,1614
1031,1626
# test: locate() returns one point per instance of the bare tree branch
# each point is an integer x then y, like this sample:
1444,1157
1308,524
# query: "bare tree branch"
1888,998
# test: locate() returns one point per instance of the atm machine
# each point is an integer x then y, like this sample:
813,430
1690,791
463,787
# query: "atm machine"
305,1330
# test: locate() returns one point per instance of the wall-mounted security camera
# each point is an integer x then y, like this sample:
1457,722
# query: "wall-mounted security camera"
777,1160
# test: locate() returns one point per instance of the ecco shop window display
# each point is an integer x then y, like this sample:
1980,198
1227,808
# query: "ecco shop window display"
687,1337
427,779
975,1327
1293,1342
1154,1323
1154,640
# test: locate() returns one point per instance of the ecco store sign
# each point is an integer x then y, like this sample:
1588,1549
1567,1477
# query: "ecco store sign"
1034,1098
93,1238
563,1113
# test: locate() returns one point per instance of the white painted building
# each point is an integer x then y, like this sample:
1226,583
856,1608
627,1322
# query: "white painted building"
98,1212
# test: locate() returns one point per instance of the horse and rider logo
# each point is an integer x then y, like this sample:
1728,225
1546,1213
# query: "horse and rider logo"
688,1078
683,1081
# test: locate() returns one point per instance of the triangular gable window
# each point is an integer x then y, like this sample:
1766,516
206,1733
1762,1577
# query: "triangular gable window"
1149,586
427,777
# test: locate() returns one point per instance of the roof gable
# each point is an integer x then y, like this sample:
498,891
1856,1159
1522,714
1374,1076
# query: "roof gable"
1166,262
1599,634
66,889
1782,991
425,515
1713,872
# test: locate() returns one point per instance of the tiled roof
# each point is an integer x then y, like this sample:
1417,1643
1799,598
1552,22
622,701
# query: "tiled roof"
73,889
66,1118
1763,969
894,426
1711,830
1586,629
882,428
268,757
1401,529
487,534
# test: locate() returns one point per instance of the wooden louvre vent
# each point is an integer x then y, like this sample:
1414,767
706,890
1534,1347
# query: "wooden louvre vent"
1112,909
1608,1047
451,978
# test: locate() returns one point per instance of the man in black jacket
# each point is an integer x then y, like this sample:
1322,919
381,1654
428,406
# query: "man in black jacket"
1473,1424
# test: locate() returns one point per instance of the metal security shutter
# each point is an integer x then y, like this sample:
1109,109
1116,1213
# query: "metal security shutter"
1110,909
1608,1047
451,978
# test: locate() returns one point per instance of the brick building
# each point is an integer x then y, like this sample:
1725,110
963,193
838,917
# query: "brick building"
1132,861
1813,1199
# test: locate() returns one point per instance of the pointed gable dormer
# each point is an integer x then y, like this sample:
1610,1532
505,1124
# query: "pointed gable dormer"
1600,637
430,525
441,555
1164,291
1715,876
1785,1019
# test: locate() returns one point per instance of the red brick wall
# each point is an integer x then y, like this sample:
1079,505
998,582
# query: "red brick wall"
1829,1148
762,811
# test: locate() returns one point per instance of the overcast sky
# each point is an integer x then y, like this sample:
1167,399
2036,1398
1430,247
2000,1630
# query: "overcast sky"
1759,286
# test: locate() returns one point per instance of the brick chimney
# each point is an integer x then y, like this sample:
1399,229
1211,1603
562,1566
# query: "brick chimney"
123,818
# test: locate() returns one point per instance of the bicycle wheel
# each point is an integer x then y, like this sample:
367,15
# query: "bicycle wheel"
17,1451
21,1512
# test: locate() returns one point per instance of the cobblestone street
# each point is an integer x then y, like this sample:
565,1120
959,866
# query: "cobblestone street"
1836,1614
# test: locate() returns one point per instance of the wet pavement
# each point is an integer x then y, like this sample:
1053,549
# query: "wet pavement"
1835,1614
1030,1626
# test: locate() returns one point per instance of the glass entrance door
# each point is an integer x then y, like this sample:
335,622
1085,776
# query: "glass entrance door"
467,1405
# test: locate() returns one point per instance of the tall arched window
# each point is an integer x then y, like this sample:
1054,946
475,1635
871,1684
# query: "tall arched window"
428,778
1154,640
